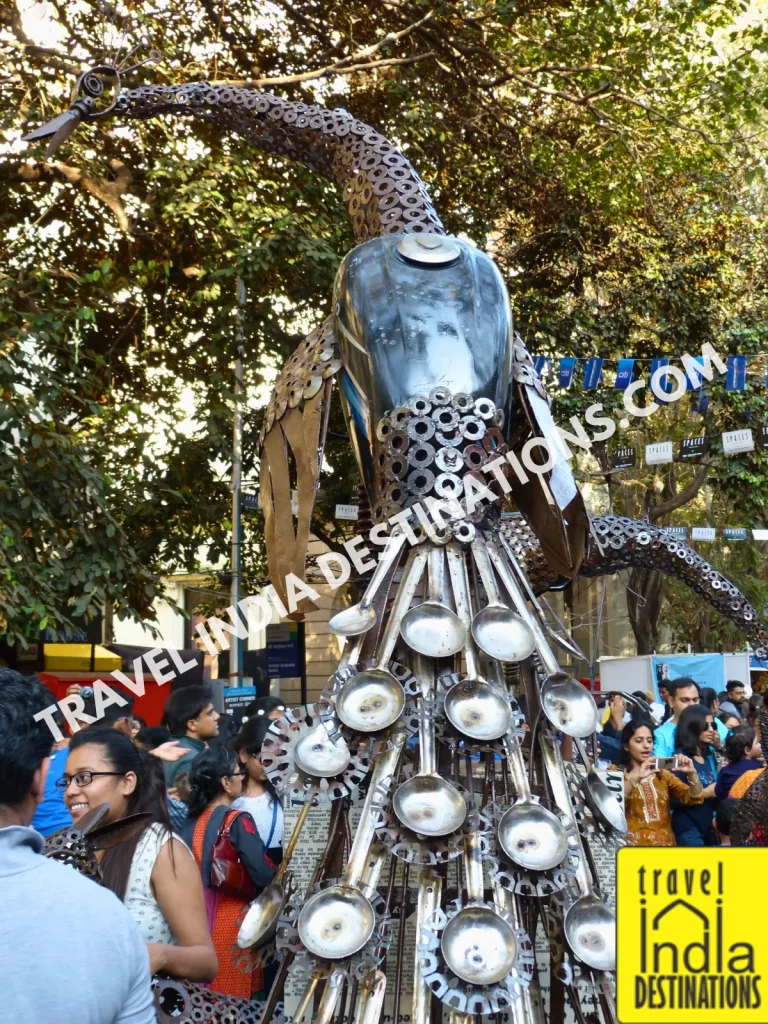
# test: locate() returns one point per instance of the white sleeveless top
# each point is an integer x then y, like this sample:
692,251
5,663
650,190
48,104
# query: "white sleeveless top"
139,898
260,809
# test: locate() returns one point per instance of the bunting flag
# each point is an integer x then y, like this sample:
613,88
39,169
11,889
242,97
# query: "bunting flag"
624,371
540,364
736,373
593,371
567,366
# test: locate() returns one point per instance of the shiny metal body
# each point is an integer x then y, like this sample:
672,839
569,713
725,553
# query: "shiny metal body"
568,706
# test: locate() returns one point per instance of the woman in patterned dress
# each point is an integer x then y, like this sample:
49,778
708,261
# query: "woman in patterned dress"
215,781
647,790
153,873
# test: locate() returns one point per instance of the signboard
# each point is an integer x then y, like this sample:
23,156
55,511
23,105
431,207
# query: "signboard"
703,533
624,458
237,698
250,502
284,650
735,533
735,441
760,534
762,436
678,532
693,447
346,512
655,454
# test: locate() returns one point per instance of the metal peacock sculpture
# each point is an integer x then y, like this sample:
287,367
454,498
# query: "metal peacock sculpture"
483,819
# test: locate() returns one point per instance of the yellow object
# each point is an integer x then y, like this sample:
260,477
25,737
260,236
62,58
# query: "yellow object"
77,658
689,949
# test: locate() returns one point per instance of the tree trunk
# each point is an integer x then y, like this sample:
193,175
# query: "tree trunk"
644,593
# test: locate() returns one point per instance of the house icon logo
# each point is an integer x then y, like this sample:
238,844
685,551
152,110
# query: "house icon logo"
690,948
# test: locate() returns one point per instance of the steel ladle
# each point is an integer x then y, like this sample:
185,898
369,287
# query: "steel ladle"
590,925
497,630
361,617
261,919
337,922
477,944
432,628
473,706
373,699
427,803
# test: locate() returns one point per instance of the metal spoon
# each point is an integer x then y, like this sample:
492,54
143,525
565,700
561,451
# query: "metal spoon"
428,901
473,706
337,922
371,1003
478,945
427,803
319,755
590,925
568,706
360,617
528,833
601,800
431,628
497,630
373,699
261,919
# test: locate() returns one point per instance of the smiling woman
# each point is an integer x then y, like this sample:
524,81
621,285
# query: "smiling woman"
154,873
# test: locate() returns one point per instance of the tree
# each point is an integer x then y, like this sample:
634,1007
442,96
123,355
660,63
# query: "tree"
580,142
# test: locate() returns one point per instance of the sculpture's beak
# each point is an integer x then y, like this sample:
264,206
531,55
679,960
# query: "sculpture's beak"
60,127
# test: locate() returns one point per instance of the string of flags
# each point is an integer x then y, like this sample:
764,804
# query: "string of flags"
593,367
734,442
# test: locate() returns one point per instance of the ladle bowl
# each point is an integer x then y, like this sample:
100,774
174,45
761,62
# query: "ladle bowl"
432,629
532,836
590,929
353,621
478,710
479,946
336,923
502,634
568,706
429,805
316,754
603,803
370,701
261,918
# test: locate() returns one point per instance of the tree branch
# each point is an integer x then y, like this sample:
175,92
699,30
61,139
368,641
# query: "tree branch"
665,507
108,192
330,69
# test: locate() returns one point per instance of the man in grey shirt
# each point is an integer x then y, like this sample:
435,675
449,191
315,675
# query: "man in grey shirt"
71,952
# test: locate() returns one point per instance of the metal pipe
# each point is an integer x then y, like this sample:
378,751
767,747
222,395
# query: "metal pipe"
236,650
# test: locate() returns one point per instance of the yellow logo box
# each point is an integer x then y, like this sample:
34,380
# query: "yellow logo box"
692,935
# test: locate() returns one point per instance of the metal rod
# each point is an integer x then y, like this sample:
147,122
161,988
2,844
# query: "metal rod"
236,651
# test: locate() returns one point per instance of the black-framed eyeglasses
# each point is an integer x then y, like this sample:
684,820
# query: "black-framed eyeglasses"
82,779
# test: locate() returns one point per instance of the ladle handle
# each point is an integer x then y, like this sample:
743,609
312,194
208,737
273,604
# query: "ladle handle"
473,866
330,997
557,780
425,673
414,569
486,571
384,766
306,997
517,766
373,990
288,853
430,892
525,613
384,564
457,567
436,575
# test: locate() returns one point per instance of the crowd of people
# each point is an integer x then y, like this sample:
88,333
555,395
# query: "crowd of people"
686,763
175,885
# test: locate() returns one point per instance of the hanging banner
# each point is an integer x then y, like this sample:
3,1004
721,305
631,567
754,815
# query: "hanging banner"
735,533
760,534
565,375
678,532
655,454
624,458
695,374
762,436
666,383
735,441
693,447
624,371
250,502
736,373
707,533
540,364
346,512
701,402
593,371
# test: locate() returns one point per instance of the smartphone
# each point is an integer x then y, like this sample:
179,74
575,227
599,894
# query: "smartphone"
672,764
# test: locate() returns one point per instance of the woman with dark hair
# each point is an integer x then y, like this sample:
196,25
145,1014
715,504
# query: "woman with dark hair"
694,826
742,748
153,873
215,782
647,791
259,797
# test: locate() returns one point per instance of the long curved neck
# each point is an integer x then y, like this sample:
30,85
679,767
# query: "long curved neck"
383,193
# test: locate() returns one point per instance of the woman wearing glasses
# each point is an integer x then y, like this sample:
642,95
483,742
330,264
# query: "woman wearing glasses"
231,856
153,873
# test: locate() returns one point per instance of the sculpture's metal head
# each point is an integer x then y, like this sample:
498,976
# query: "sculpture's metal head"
94,97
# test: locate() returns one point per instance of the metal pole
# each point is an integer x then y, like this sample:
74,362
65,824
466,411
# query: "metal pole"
236,651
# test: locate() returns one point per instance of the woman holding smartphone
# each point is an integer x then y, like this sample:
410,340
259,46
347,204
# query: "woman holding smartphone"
694,738
647,789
